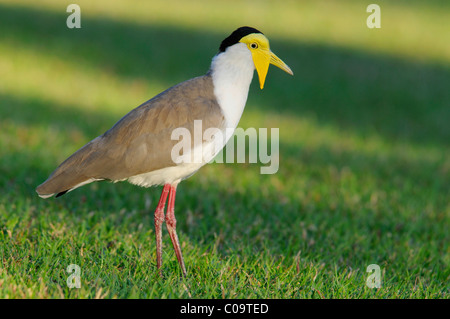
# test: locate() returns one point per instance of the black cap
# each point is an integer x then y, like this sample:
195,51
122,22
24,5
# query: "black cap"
236,36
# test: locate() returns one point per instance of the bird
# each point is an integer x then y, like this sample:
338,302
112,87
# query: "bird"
139,148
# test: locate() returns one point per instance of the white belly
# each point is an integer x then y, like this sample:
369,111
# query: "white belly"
168,175
188,165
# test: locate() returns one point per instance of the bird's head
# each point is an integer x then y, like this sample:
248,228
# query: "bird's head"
258,45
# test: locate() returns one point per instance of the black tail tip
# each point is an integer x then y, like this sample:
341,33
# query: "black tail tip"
61,193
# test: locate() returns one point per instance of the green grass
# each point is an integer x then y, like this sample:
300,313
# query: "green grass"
364,152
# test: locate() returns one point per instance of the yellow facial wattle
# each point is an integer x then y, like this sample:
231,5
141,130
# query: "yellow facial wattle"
258,45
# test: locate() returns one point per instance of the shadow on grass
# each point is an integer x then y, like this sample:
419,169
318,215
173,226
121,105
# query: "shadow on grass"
353,91
26,111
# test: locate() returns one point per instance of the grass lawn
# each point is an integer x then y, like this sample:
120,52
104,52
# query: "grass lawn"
364,175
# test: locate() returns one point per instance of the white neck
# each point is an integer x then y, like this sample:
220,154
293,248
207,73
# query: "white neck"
232,73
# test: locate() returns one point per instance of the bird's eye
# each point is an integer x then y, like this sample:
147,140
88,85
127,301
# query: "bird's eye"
254,45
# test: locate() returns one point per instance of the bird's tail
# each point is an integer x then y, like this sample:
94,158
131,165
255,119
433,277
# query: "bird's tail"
69,175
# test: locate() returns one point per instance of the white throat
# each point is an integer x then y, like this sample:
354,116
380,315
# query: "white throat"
232,73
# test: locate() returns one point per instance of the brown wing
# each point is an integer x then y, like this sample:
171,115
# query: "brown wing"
141,141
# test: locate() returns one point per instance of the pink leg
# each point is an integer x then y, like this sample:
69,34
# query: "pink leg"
159,219
171,226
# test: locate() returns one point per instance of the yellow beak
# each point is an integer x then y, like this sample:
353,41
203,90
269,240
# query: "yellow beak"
262,59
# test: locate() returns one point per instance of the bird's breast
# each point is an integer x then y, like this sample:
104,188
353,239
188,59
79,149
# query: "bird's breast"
232,73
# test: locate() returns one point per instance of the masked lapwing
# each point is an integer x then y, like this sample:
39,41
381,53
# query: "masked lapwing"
139,148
